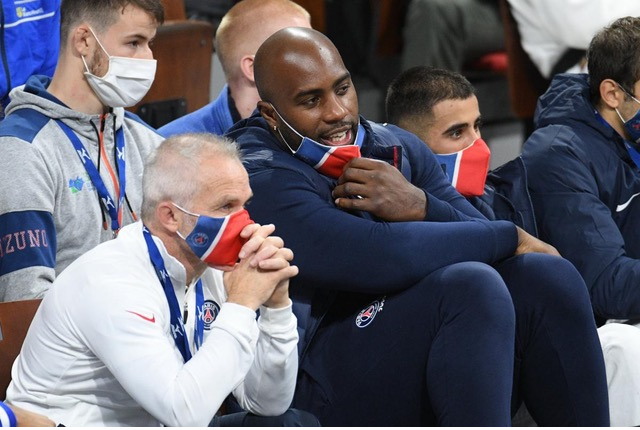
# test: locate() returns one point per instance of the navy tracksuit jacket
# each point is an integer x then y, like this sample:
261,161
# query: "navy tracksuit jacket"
405,323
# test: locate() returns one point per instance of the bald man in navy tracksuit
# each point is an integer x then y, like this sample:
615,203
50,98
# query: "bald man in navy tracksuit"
410,303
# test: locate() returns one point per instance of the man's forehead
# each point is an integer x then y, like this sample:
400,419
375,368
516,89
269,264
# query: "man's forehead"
309,58
293,59
223,174
298,74
451,111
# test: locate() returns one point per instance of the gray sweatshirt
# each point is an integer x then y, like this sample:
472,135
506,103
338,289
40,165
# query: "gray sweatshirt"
49,208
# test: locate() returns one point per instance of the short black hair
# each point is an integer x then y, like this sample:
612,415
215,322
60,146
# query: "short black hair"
417,90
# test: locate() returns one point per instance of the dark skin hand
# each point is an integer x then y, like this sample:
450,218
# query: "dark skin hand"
381,190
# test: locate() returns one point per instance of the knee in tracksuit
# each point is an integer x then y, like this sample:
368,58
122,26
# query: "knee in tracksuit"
476,288
549,282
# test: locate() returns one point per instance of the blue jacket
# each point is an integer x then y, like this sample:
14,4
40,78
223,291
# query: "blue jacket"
583,186
340,251
506,196
29,42
214,117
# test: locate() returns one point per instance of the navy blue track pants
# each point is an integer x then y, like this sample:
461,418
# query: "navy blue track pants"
443,352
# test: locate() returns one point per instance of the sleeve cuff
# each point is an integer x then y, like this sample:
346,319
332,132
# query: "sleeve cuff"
507,230
237,318
436,209
277,320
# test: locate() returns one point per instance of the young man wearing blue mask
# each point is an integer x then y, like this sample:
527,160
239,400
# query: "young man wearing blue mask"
583,168
71,158
440,107
158,326
413,308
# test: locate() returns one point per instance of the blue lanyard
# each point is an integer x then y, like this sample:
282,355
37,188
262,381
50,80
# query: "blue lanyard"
94,174
10,415
177,325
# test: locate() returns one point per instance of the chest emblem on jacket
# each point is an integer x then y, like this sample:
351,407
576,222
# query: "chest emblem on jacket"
366,316
76,184
79,183
210,311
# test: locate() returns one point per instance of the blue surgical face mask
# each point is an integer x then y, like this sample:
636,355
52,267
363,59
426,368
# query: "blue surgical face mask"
328,160
632,125
217,241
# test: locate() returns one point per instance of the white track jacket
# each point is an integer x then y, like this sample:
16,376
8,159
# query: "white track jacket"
100,349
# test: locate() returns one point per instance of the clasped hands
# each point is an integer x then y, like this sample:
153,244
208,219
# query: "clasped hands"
261,277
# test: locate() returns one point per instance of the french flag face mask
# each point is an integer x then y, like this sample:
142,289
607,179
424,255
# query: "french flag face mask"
467,169
632,125
328,160
217,241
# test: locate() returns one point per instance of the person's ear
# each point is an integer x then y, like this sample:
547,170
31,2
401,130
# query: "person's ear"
268,113
246,65
80,40
611,94
167,216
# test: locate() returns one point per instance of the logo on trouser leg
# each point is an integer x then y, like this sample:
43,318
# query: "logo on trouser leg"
367,315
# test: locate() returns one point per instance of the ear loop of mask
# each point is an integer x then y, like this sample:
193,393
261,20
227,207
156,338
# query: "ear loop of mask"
628,94
101,47
290,128
294,130
188,213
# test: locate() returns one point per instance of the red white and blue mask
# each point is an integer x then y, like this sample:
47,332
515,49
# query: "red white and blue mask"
467,169
217,241
328,160
632,125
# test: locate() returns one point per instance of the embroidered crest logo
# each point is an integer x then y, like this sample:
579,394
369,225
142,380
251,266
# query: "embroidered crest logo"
210,311
366,316
201,239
